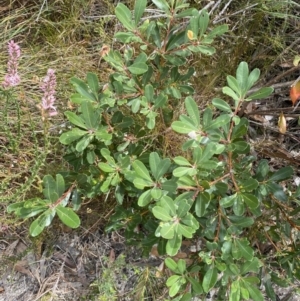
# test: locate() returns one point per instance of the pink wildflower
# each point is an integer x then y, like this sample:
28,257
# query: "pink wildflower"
12,78
48,87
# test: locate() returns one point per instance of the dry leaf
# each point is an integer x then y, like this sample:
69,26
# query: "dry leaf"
160,270
282,123
296,60
112,256
154,251
190,35
21,267
104,50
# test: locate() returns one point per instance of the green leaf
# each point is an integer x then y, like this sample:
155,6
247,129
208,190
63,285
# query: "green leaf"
250,200
169,205
172,280
161,213
73,118
226,248
210,279
233,84
139,9
203,22
261,93
228,91
141,58
240,147
182,161
244,249
77,98
251,266
76,200
208,50
235,291
193,110
36,228
83,143
281,195
255,293
135,104
141,170
270,291
242,74
181,266
253,77
93,82
218,122
221,187
181,171
221,105
60,184
248,185
145,198
88,112
194,25
153,31
185,231
150,121
50,191
138,68
234,269
71,136
282,174
174,289
171,264
149,92
175,92
140,183
30,212
240,129
241,221
160,101
156,193
124,16
163,5
127,37
239,206
183,208
190,221
207,153
186,13
228,201
182,127
167,231
251,280
219,30
106,167
244,293
158,167
68,216
262,169
44,220
82,88
202,202
196,285
173,245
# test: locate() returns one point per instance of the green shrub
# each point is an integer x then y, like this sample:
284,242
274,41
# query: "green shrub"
213,189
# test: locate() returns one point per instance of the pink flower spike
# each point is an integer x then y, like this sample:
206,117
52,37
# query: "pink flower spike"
48,87
12,78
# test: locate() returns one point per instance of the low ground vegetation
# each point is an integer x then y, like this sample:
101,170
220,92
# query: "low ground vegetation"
173,163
